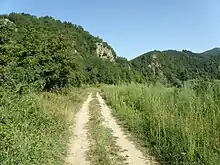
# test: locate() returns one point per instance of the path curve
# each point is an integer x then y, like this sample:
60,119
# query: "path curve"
79,143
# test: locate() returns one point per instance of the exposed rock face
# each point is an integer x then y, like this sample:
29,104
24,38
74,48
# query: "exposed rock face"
155,66
104,52
7,23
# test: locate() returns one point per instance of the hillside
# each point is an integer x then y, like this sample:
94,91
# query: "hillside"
44,53
212,52
175,66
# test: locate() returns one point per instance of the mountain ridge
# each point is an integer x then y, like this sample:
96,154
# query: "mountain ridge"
213,52
173,66
210,51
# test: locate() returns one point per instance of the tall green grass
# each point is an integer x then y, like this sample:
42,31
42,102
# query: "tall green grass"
34,128
181,126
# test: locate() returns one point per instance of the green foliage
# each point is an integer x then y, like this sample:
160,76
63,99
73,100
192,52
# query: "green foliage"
181,125
104,71
34,55
212,52
176,65
45,54
34,128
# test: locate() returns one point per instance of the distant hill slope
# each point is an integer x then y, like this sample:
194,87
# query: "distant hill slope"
175,66
212,52
44,53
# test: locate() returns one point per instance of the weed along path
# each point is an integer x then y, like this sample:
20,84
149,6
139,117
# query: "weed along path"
129,151
99,140
79,142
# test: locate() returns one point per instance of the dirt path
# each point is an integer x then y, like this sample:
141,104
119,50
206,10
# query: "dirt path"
79,143
134,156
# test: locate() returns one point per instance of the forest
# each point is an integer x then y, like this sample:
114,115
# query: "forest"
44,53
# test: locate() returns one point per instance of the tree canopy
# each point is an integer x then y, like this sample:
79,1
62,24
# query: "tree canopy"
44,53
177,65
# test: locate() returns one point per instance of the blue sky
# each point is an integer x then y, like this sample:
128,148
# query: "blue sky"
133,27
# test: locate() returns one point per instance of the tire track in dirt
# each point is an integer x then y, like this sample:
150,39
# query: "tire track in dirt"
129,151
79,143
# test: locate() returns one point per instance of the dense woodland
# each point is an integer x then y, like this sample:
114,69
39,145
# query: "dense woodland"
174,67
43,53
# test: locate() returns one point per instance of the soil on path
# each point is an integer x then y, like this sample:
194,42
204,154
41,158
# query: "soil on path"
79,142
129,151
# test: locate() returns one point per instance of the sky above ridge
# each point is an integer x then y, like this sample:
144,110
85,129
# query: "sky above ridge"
133,27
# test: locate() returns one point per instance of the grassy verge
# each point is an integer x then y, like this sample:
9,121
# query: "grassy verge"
34,128
103,149
180,126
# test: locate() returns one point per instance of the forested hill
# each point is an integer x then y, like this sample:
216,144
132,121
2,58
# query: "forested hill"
212,52
174,67
44,53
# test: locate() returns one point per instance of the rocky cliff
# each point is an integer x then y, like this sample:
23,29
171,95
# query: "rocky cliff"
104,51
